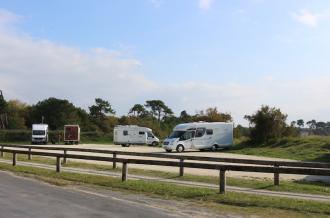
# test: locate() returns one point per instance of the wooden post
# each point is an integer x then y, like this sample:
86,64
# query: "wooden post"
64,158
124,172
1,153
181,167
29,154
58,164
14,159
276,176
222,181
114,163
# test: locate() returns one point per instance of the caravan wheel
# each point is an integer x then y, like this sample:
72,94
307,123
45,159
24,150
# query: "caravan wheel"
180,148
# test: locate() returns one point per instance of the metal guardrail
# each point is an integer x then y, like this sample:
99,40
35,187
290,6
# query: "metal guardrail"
275,167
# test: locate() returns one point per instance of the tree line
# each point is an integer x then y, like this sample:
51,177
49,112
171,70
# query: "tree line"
265,124
100,116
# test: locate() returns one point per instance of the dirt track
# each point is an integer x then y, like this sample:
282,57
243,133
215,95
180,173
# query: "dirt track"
200,171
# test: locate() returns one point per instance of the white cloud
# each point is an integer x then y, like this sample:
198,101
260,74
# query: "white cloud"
205,4
311,19
156,3
8,17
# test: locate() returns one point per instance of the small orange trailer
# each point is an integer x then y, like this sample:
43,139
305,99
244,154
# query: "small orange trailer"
71,134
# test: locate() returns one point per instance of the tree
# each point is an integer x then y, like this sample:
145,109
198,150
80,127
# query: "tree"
137,110
17,114
300,123
212,115
184,116
311,124
158,108
55,112
267,123
3,110
100,109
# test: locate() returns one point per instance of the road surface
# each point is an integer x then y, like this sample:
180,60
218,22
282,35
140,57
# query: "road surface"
23,197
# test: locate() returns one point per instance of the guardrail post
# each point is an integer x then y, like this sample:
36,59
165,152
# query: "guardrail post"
58,164
222,181
64,158
276,176
181,167
29,154
114,163
124,172
14,158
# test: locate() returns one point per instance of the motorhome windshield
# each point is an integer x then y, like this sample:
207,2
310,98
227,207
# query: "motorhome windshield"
176,134
38,132
150,134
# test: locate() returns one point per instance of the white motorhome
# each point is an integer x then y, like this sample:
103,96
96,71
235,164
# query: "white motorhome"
132,134
199,135
39,134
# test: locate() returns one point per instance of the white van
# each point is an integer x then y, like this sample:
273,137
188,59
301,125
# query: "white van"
39,134
200,135
132,134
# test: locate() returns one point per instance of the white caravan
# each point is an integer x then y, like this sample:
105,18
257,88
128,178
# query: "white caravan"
131,134
39,134
200,135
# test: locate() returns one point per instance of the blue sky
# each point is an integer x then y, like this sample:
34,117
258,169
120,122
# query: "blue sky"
235,55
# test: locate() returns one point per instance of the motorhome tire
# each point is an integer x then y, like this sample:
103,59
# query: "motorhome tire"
180,148
154,143
214,147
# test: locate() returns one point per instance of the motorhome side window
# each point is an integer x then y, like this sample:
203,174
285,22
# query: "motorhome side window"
200,132
209,132
125,132
141,133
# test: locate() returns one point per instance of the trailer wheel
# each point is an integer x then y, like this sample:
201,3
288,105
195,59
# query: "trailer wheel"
180,148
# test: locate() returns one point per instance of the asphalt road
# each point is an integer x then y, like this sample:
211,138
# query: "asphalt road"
21,197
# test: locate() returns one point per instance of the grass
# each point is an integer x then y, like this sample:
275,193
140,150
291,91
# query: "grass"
266,184
308,148
237,203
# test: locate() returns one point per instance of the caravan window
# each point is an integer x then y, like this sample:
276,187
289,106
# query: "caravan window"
125,132
141,133
209,132
200,132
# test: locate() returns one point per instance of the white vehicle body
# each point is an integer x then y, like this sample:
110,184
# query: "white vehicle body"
200,135
131,134
39,134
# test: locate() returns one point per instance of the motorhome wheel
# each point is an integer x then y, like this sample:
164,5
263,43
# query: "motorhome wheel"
180,148
154,143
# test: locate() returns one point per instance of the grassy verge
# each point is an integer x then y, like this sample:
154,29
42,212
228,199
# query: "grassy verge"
234,202
266,184
309,148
